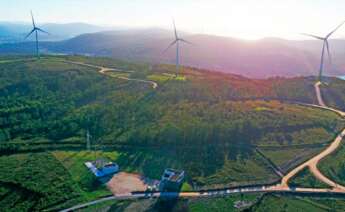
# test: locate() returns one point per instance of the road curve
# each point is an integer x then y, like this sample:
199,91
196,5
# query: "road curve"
104,70
313,162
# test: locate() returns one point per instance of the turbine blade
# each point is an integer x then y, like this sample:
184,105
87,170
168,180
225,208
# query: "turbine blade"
328,52
175,31
331,33
314,36
41,30
33,20
183,40
173,43
32,31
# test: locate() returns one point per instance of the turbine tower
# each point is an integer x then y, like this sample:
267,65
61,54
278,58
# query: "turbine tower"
325,47
35,30
177,42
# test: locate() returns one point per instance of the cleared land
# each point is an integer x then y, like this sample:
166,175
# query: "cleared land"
125,183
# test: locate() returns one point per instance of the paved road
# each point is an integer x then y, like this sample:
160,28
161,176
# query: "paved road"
210,193
104,70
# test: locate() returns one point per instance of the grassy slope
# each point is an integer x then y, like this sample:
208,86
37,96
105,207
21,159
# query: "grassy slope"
307,180
290,157
333,166
333,93
221,204
74,164
288,204
37,182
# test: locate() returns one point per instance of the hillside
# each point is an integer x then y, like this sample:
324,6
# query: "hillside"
11,32
255,59
222,127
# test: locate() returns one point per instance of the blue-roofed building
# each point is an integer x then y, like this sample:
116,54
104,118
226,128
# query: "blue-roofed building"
102,168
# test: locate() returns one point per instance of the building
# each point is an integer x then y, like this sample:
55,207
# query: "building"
102,168
172,180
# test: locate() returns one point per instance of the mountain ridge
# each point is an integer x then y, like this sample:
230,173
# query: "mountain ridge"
267,57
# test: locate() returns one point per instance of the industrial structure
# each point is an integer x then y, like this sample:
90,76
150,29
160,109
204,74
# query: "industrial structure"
325,47
172,180
177,42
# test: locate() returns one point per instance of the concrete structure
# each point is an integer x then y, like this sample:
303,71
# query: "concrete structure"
172,180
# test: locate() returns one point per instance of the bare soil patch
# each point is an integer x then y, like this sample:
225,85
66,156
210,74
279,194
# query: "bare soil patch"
124,183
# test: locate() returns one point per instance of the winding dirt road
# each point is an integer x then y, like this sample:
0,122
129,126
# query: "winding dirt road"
104,70
313,162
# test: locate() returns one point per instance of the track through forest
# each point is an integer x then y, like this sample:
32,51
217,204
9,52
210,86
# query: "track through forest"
281,187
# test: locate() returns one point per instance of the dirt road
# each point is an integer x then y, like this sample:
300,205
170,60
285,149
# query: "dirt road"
313,162
104,70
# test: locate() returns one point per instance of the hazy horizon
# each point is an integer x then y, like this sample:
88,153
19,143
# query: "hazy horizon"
248,19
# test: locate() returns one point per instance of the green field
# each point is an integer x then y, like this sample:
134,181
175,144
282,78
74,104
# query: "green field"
160,78
223,204
116,75
289,157
277,203
74,164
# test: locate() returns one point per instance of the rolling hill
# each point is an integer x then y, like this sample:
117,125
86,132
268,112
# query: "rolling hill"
11,32
256,59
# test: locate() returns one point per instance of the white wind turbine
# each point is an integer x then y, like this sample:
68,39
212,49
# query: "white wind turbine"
325,47
177,42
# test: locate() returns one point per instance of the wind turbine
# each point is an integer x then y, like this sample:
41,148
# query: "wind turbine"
177,42
325,47
35,30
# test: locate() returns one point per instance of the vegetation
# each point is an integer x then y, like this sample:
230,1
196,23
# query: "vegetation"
305,179
250,202
208,124
90,187
333,166
333,93
288,203
286,158
224,204
34,182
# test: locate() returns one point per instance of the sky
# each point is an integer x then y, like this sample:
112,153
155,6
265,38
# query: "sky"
246,19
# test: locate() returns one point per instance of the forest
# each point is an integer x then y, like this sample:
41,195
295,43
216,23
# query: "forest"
219,128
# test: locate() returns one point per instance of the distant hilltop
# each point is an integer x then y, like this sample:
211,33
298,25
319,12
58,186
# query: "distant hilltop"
269,57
